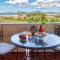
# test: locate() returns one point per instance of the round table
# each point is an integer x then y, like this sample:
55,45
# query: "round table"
51,41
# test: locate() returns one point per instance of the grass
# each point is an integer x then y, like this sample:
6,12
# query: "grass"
25,20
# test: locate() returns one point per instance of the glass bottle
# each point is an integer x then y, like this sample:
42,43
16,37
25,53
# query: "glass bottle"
33,30
41,30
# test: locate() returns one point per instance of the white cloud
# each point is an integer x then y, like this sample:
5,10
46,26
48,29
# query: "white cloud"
9,6
44,3
34,4
21,1
2,6
47,0
40,0
50,0
37,3
10,2
5,6
17,1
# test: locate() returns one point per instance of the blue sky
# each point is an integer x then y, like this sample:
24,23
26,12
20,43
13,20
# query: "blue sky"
29,5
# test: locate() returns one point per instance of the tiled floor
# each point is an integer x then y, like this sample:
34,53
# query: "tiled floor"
48,56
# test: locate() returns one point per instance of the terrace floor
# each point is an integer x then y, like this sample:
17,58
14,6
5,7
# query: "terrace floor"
48,56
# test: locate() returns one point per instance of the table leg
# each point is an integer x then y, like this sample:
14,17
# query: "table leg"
32,51
27,56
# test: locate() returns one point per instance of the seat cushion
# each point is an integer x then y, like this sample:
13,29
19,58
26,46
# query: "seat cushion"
5,48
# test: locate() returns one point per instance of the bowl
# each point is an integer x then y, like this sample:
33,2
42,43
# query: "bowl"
22,38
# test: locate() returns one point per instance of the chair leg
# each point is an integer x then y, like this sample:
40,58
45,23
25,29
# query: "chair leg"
2,57
17,54
55,54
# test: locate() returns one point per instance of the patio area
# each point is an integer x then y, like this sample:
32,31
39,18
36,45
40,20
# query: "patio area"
10,29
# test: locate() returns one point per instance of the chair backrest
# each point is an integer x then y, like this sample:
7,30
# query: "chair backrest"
1,32
1,36
57,30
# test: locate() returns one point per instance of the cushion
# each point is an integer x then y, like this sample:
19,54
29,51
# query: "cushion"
5,48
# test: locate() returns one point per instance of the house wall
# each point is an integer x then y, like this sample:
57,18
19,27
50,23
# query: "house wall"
10,29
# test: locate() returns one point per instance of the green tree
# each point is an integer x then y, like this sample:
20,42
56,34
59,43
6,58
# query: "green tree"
36,14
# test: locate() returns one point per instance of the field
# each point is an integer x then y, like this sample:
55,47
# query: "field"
29,18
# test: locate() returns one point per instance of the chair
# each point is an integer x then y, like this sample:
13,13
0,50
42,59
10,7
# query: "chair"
57,48
57,32
4,47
